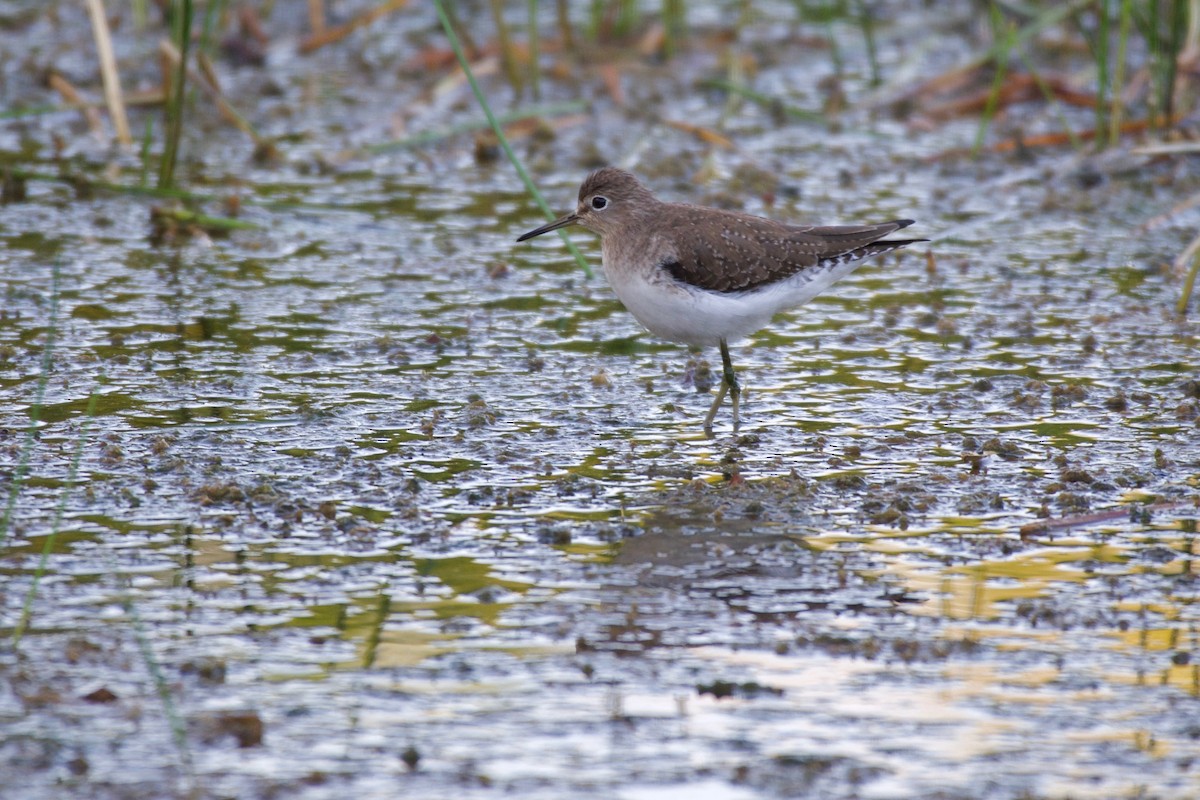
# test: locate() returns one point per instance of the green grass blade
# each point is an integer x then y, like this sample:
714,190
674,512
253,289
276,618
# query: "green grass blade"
1052,101
496,129
1103,73
1118,82
39,394
772,103
535,67
182,34
147,138
429,137
161,686
863,14
68,486
1189,283
1006,35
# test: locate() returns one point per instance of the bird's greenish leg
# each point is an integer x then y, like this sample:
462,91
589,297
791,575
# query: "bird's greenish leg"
735,389
730,385
712,411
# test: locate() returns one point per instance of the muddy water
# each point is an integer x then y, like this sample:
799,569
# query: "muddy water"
405,508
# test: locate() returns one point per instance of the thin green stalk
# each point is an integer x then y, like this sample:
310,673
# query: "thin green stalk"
1052,101
1178,11
745,15
674,22
1189,283
868,30
207,34
429,137
564,25
508,60
465,35
835,52
500,137
535,67
1154,41
205,221
1053,15
32,111
626,16
147,137
1163,48
68,486
172,194
1114,117
182,34
35,411
1001,62
117,188
161,686
766,100
596,18
1103,70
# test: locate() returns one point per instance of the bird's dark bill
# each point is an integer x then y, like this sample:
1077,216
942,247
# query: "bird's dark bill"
561,222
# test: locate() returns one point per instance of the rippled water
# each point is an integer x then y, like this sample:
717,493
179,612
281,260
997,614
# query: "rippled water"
429,508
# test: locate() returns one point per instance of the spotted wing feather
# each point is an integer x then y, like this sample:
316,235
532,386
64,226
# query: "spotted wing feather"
725,252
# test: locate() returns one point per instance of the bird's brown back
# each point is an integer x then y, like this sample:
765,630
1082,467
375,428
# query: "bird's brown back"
726,251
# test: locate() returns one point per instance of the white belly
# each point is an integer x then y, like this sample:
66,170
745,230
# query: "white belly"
698,317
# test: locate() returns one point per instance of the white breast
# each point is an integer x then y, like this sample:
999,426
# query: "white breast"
682,313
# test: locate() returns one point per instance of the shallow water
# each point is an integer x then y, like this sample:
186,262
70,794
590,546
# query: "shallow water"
426,508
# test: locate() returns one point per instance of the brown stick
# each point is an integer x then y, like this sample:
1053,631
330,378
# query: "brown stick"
231,115
108,72
1055,139
316,16
339,32
71,97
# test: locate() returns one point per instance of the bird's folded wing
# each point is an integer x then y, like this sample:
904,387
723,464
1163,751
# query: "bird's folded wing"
725,252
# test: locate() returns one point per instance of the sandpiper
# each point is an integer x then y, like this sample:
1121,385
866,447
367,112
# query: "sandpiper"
703,276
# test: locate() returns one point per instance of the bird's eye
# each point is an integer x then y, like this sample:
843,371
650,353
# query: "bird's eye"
599,202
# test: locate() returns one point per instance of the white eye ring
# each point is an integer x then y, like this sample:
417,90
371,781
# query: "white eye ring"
599,202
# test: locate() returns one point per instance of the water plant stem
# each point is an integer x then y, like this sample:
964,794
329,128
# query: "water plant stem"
772,103
863,15
501,138
35,410
1103,72
181,32
429,137
68,486
1006,35
1118,100
1189,282
535,67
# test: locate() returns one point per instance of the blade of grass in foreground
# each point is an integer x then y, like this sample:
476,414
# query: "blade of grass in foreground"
35,410
161,686
68,486
430,137
163,689
1006,36
1189,282
500,137
768,102
1118,81
181,24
